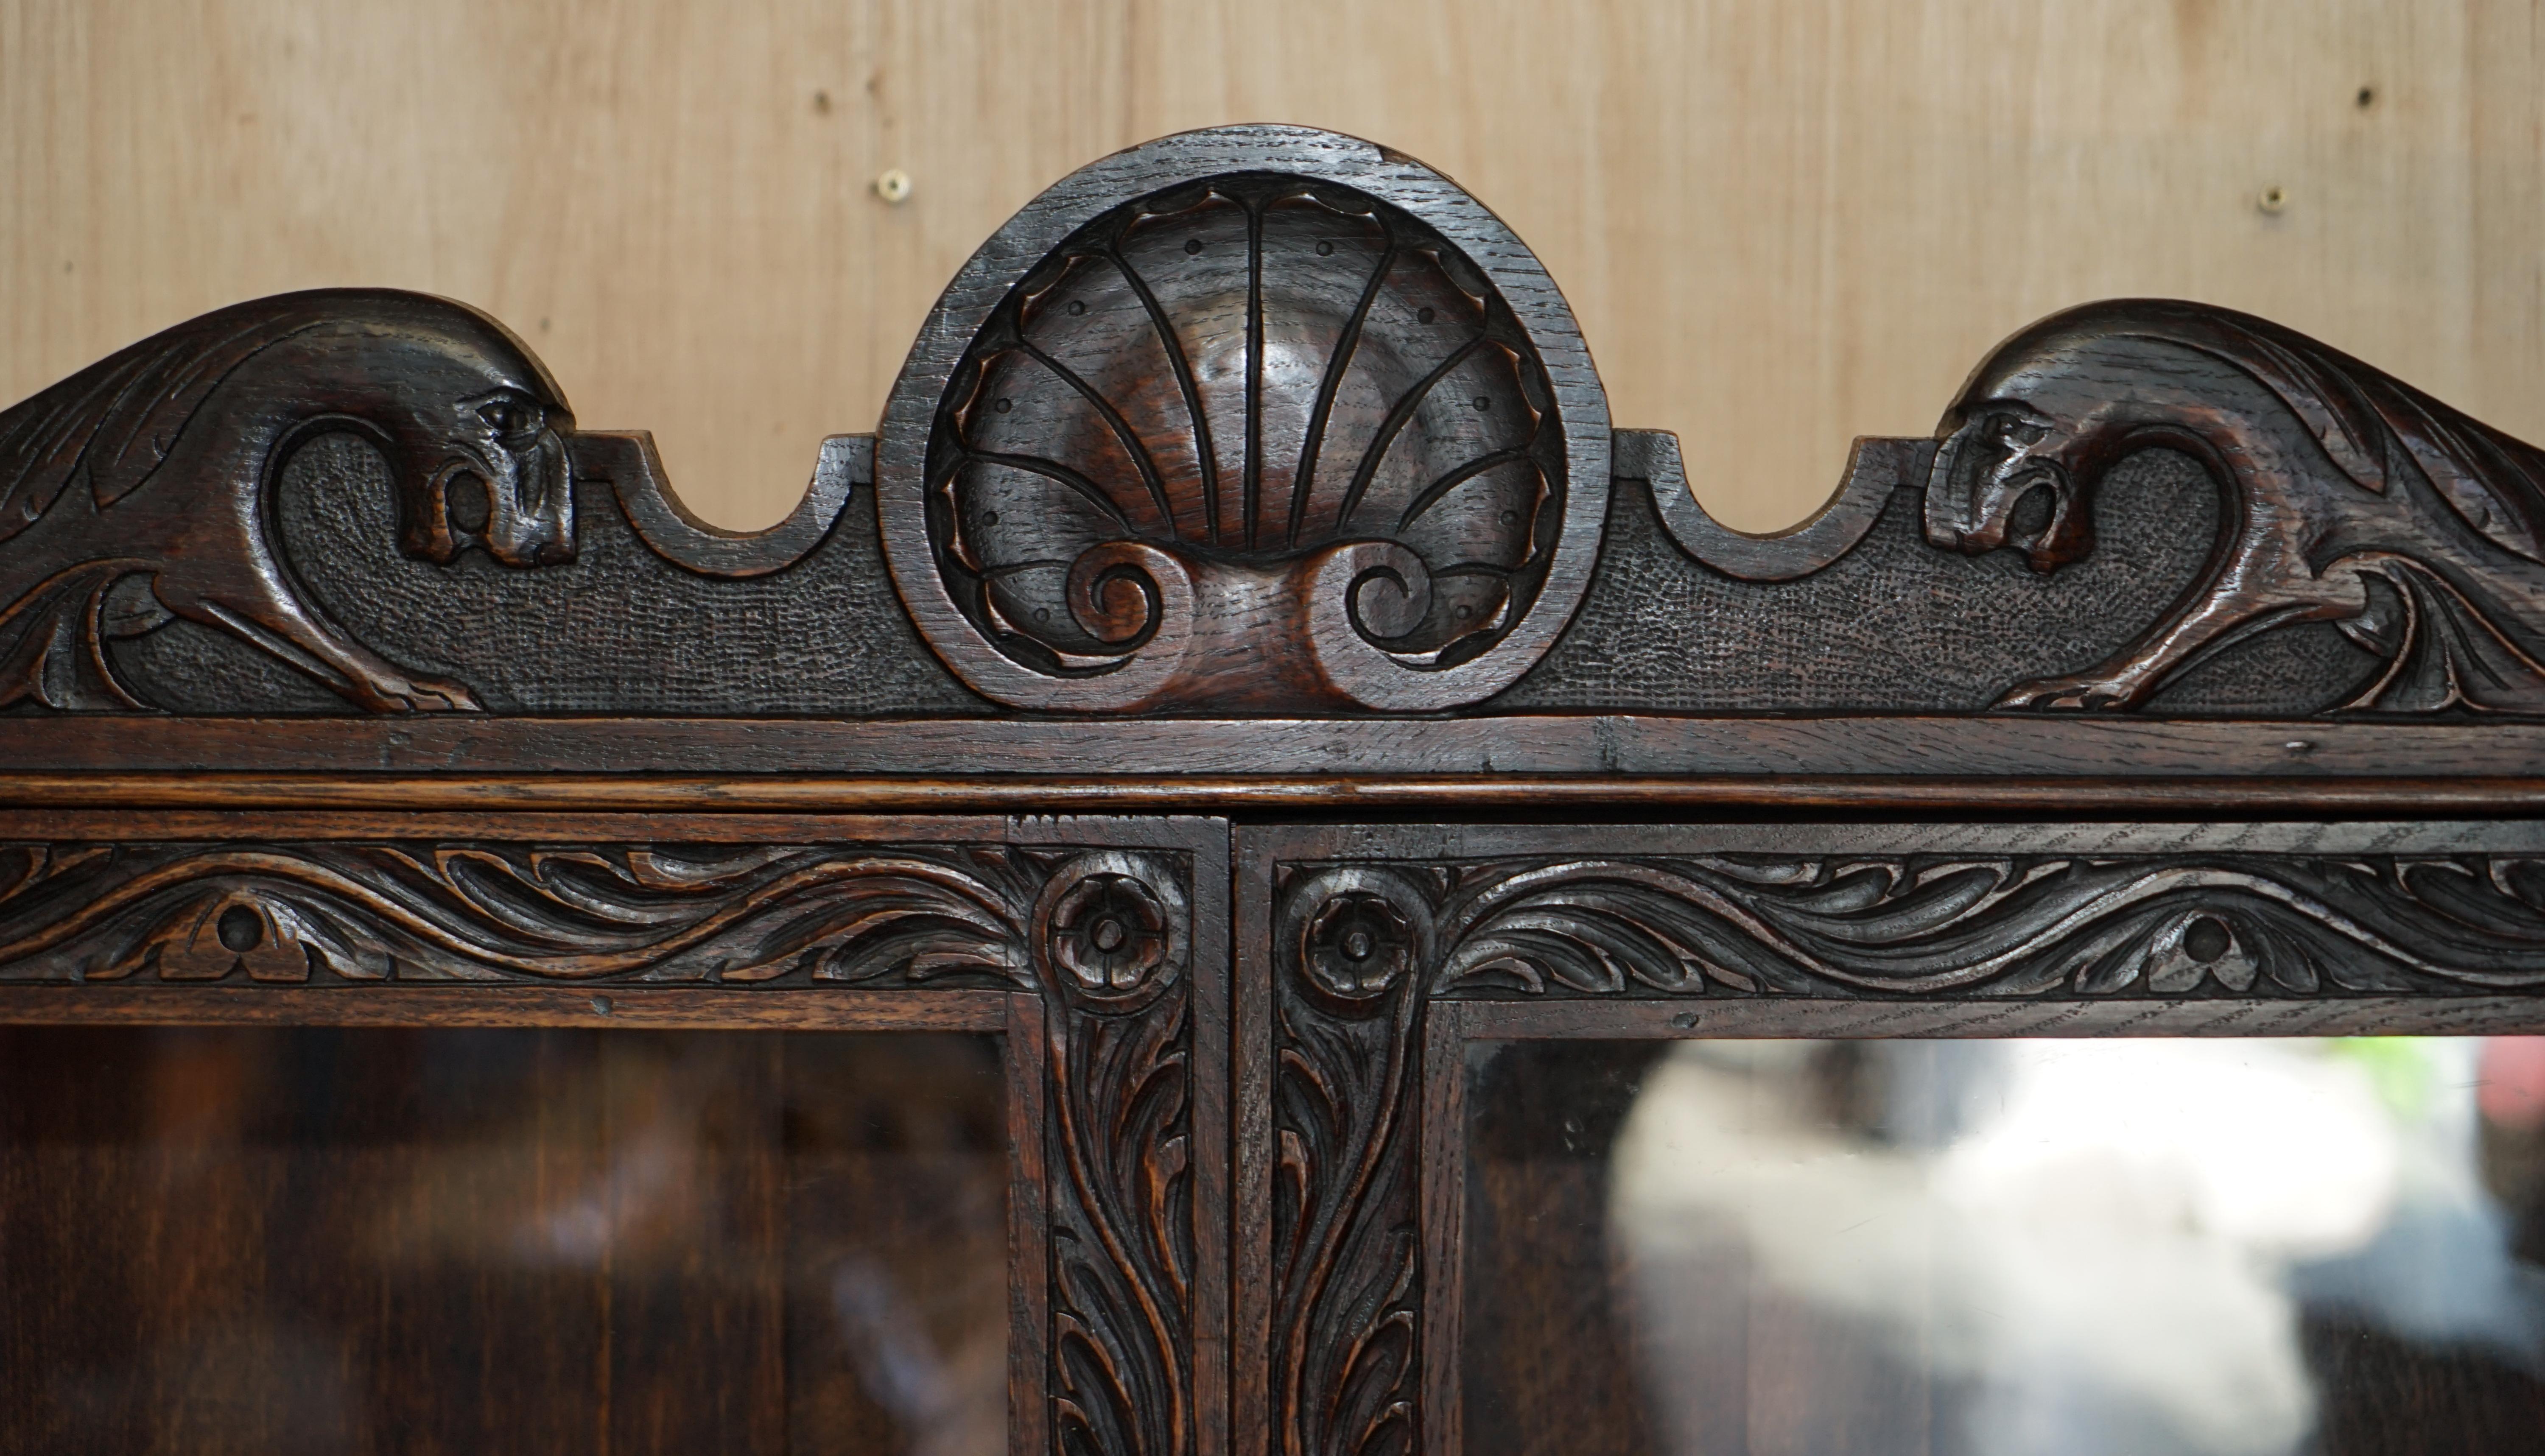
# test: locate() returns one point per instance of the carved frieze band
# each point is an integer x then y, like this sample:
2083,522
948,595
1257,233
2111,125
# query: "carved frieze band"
902,914
1949,925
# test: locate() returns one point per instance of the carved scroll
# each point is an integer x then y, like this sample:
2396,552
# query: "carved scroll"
1256,420
142,490
1106,936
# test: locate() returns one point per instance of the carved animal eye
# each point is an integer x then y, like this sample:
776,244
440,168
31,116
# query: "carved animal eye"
2016,431
509,417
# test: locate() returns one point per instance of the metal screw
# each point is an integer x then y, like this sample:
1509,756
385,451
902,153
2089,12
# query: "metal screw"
893,186
2273,199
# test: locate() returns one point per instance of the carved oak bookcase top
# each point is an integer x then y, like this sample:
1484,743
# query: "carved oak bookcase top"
2190,680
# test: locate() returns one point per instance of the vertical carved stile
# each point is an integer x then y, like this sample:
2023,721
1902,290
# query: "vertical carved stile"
1350,944
1114,935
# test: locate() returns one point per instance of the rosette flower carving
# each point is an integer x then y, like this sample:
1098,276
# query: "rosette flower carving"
1358,944
1109,932
1115,931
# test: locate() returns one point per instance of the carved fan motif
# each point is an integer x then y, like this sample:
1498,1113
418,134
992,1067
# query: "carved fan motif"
1270,428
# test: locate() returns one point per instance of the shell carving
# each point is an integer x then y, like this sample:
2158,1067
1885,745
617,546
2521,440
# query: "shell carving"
1259,441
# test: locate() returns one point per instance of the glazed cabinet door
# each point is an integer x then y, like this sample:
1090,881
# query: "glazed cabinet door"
610,1134
1886,1139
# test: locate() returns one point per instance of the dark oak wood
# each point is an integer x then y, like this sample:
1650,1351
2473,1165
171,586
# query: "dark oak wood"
1028,1232
1255,367
1259,472
2352,498
1253,420
1390,947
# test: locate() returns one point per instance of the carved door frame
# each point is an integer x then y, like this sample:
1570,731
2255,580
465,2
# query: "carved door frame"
1370,957
1094,948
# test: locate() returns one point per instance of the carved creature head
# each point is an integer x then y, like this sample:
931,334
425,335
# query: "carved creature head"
2006,474
482,431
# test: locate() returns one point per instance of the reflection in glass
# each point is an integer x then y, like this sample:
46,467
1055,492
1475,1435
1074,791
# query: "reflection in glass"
253,1240
2209,1247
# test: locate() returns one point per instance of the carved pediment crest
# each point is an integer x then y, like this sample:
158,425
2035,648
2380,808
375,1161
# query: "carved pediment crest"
1262,418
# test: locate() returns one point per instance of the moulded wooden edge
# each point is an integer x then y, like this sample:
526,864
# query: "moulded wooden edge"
1694,1019
1024,751
687,1009
51,796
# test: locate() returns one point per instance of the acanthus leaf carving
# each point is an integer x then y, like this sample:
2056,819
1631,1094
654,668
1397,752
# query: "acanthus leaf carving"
2033,926
891,914
1114,931
1348,995
138,490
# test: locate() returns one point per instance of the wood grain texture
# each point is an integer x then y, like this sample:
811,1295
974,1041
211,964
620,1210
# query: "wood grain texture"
1781,224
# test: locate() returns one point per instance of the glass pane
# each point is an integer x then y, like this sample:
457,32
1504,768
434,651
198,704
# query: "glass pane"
2007,1248
270,1241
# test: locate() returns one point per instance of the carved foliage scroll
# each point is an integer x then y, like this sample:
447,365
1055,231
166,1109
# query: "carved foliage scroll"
2161,925
1349,950
2353,499
1115,934
893,916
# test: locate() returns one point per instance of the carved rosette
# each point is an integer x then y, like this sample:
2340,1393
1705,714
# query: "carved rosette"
1113,934
1350,946
1266,420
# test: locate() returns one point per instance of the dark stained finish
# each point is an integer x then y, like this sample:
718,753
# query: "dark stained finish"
1257,472
1372,756
631,465
866,923
1255,418
2351,497
1874,469
443,911
1343,439
1388,948
139,488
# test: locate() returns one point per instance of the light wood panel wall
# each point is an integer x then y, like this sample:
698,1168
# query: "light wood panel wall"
1783,222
